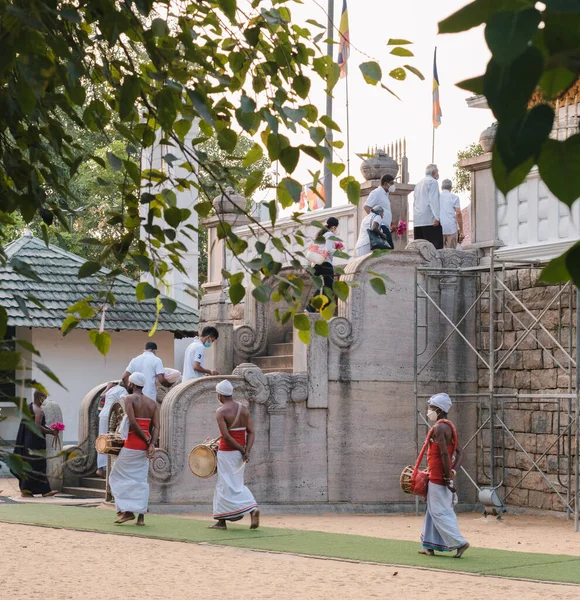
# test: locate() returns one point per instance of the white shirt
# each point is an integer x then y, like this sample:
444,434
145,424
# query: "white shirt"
449,202
363,244
151,366
380,197
329,245
115,394
195,353
426,202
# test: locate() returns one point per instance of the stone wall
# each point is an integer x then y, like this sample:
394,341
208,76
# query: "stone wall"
537,367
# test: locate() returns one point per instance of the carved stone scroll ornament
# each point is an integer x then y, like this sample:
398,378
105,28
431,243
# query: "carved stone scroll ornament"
340,332
426,250
250,340
258,390
84,465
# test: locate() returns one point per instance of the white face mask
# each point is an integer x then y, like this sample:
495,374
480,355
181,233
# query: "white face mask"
436,177
432,415
392,188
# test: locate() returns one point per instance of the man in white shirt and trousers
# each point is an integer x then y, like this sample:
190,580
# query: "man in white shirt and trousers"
451,217
426,214
151,366
380,197
195,354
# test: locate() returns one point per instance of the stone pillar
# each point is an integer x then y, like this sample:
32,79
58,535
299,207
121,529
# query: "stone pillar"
54,456
313,360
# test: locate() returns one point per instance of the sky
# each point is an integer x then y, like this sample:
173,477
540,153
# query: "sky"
376,117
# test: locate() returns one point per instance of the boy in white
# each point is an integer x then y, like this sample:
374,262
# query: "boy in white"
152,368
195,354
451,218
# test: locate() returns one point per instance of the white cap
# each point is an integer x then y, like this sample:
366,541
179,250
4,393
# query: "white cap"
225,388
137,379
442,401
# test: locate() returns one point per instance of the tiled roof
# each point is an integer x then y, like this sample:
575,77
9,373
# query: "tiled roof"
61,288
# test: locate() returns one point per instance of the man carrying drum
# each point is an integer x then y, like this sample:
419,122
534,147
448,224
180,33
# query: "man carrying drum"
232,499
444,457
128,478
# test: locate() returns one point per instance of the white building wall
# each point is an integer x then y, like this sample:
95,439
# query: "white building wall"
80,367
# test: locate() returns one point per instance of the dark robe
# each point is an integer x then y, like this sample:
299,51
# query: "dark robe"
36,481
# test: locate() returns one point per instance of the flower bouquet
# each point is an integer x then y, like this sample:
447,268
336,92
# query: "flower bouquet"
338,245
401,228
57,426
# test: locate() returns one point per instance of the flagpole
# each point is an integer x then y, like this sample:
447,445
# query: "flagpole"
433,147
347,129
329,136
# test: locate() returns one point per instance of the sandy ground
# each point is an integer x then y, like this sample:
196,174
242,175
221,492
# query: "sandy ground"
55,564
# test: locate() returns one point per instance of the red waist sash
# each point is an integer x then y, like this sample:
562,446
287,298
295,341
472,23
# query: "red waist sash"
133,441
239,435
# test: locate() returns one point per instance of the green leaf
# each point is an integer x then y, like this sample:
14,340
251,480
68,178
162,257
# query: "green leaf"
301,85
341,290
555,81
229,8
398,42
237,293
89,268
415,71
304,337
319,301
49,373
378,285
101,341
371,72
321,328
474,85
159,28
326,120
399,74
332,78
172,216
401,52
24,269
288,192
69,324
559,166
83,308
200,105
25,97
253,182
317,134
505,180
508,33
289,158
145,291
9,360
522,138
28,346
254,154
508,88
227,140
301,322
166,110
22,306
564,6
563,267
476,13
16,464
128,95
261,293
114,161
328,311
3,322
169,305
352,188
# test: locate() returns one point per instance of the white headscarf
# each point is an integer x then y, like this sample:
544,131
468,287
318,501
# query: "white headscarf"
442,401
225,388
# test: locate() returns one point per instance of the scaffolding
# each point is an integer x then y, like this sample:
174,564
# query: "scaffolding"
481,329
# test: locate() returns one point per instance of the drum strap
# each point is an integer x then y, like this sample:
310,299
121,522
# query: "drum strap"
237,416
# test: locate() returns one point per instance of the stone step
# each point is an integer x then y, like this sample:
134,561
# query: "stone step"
284,361
84,492
281,349
97,483
281,370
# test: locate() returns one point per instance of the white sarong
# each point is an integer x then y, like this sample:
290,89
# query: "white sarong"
440,528
115,394
128,481
231,499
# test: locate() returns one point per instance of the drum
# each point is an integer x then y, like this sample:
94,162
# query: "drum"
418,487
109,443
203,459
405,479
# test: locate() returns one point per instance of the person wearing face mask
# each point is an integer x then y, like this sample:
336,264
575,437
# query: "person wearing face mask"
326,239
380,197
195,353
426,211
444,457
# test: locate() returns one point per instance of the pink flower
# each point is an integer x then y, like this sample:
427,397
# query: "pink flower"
338,245
58,426
401,228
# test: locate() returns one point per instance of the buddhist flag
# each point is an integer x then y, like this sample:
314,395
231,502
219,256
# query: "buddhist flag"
344,45
437,114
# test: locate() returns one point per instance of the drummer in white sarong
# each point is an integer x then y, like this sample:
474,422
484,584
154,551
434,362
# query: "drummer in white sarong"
232,499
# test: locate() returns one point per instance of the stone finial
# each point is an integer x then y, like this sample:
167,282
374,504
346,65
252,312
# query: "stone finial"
377,166
229,202
487,137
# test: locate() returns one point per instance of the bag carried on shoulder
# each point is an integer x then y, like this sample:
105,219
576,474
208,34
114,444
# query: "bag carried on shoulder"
378,242
316,254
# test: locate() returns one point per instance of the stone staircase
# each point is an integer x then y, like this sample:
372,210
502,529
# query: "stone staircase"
90,487
279,360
